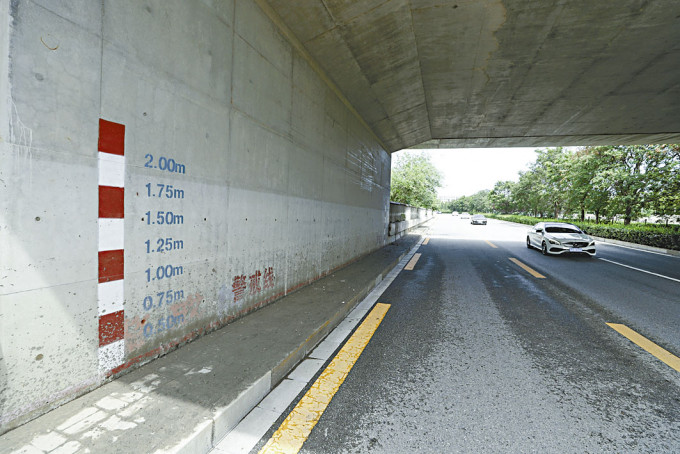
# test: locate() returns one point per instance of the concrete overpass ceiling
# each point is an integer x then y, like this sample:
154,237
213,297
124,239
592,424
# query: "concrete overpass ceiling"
471,73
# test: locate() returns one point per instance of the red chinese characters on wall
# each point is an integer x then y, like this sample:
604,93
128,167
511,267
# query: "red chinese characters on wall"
253,284
268,278
239,286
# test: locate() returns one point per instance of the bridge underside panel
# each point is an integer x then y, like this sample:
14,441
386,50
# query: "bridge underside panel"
476,73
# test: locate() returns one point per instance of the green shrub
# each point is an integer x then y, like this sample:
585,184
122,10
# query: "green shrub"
666,237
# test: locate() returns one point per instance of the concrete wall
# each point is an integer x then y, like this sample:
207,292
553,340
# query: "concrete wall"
269,178
404,217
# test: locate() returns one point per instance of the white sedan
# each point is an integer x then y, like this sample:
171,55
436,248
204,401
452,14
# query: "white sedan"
559,238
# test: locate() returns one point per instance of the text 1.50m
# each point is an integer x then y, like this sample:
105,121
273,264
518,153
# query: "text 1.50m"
164,218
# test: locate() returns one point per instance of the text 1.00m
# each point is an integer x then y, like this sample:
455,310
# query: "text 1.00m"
163,272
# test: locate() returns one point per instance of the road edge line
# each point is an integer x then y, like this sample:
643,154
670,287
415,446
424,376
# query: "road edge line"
296,427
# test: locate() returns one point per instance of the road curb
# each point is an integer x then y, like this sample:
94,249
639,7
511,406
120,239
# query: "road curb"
642,247
279,372
206,435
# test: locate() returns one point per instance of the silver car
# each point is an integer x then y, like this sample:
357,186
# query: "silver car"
557,238
478,219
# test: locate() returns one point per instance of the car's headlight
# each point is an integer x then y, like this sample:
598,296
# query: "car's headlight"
551,241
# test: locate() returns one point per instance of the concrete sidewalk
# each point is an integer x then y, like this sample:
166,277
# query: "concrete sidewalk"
188,400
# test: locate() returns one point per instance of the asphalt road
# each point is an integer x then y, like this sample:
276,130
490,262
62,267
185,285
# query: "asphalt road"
477,355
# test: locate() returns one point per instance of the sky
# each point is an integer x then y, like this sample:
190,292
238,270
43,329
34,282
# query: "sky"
469,170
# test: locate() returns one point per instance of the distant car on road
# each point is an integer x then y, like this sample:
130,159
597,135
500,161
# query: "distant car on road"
465,215
455,213
557,238
479,219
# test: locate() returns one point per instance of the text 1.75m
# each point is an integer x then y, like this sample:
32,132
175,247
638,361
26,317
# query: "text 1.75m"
166,191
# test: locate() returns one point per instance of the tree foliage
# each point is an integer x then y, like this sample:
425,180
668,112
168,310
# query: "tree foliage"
610,181
500,197
415,181
475,203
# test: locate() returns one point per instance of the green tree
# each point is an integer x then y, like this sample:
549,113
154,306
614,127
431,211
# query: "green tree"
479,202
501,197
460,204
606,180
475,203
550,177
666,186
529,195
583,194
632,174
415,181
541,190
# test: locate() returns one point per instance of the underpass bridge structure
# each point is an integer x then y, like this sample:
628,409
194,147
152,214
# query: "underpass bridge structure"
167,167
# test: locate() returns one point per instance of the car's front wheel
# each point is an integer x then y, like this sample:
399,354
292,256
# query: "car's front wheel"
528,243
544,248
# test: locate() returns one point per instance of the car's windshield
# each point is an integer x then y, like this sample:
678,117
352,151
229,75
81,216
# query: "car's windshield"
554,229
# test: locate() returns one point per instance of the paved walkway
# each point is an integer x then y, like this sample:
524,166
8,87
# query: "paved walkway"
188,400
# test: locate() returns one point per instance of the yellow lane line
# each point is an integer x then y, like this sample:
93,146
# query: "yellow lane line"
295,429
427,240
647,345
412,263
492,245
529,270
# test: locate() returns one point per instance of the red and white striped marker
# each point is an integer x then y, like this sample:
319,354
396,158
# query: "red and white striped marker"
110,291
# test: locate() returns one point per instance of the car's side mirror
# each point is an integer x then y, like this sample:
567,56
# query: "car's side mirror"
539,230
